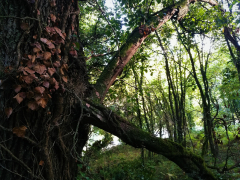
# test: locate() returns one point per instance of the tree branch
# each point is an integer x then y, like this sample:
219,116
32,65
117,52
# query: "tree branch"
107,120
134,41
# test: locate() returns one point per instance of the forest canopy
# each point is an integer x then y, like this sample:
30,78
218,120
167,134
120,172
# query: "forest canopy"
161,75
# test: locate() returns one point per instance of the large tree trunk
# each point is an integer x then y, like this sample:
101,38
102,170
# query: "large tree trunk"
43,81
42,143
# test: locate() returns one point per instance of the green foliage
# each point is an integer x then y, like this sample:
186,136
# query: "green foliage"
124,163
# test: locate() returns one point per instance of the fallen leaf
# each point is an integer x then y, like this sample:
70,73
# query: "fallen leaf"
39,89
19,131
32,105
8,111
18,98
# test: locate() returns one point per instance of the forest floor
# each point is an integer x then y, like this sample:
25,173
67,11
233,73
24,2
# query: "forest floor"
124,162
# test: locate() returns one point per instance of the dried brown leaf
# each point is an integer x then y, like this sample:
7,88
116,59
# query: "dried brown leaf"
19,131
36,50
51,71
24,26
46,84
40,69
8,111
64,78
18,88
47,55
57,64
59,32
32,105
29,78
35,37
39,89
42,102
30,57
41,163
18,98
53,17
38,45
30,71
48,42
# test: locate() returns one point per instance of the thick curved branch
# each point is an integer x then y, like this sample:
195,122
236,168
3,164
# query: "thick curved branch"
109,121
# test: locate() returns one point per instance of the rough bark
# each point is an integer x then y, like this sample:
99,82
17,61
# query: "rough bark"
41,143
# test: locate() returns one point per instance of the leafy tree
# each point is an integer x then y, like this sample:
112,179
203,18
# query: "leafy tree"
47,102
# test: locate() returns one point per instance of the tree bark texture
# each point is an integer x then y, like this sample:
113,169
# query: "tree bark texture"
38,136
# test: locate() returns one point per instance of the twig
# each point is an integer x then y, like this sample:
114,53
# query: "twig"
24,18
18,160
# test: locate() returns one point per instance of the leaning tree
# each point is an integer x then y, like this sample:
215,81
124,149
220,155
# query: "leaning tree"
46,100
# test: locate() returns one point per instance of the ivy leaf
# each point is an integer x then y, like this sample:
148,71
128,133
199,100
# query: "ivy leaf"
18,98
8,111
32,105
19,131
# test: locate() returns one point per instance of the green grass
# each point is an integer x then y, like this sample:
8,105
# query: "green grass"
124,162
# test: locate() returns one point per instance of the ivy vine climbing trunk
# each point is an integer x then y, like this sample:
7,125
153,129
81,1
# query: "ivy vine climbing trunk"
38,134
